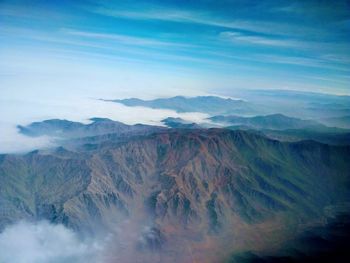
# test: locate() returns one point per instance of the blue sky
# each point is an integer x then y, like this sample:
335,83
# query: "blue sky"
167,47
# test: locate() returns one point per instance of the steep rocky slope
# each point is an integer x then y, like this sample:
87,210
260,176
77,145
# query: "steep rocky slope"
213,190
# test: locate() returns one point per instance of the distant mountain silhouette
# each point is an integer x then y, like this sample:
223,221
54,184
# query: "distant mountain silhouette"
273,121
206,104
69,129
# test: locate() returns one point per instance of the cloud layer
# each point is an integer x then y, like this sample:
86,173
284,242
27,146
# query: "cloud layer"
42,242
76,110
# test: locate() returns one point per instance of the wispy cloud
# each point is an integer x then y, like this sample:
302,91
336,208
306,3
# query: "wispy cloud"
253,29
336,79
154,13
344,59
207,18
171,15
168,37
68,43
302,61
125,39
122,48
258,40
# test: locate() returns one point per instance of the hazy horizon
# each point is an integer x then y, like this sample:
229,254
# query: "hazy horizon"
59,56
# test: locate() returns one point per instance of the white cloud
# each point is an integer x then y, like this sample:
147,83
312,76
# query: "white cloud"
302,61
259,40
130,40
155,13
13,142
206,18
43,242
76,110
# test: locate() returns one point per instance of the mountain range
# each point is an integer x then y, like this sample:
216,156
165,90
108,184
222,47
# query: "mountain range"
310,105
181,195
206,104
273,121
315,106
69,129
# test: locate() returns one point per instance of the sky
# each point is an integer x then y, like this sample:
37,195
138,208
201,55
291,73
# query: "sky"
58,57
161,48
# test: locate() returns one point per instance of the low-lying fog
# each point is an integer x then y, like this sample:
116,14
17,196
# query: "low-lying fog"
42,242
80,110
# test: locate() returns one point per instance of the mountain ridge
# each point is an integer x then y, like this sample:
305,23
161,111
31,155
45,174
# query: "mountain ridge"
205,104
272,121
189,181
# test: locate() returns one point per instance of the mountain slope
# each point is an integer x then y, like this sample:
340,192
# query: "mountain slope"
211,186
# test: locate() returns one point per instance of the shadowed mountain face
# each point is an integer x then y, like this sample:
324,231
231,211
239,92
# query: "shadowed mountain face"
180,123
188,192
206,104
333,136
316,245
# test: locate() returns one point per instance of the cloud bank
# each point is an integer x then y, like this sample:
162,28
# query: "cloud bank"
43,242
74,109
13,142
